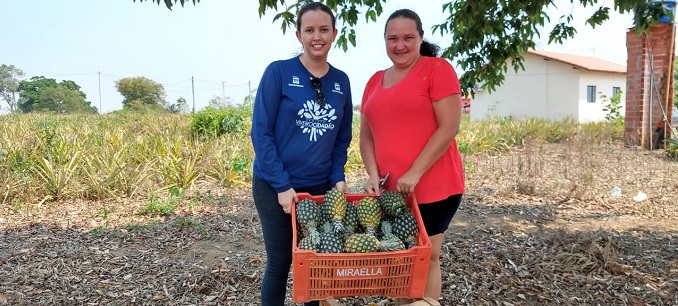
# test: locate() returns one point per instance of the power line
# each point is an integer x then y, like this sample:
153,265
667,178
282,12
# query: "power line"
69,74
113,75
184,81
208,89
199,80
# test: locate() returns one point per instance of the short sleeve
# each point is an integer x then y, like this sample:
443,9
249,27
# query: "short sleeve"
444,80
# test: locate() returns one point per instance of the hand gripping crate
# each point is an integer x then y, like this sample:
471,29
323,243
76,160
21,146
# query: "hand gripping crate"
318,276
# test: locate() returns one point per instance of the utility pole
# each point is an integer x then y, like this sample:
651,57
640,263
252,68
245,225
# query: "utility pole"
193,90
101,111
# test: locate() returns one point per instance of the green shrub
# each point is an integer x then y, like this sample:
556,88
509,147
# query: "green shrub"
160,207
211,122
671,149
612,107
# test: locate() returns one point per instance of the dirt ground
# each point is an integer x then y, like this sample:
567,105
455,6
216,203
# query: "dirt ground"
538,226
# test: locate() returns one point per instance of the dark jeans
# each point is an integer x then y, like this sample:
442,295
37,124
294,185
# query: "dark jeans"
276,226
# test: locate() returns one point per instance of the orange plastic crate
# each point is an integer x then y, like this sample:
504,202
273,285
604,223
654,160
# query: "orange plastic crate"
319,276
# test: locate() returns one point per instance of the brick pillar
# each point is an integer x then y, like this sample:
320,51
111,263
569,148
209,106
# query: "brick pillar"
657,48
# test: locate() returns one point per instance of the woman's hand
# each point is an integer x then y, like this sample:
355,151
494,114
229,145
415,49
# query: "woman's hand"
341,186
407,182
286,199
372,185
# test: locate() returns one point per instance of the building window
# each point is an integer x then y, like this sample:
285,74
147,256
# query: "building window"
615,90
591,94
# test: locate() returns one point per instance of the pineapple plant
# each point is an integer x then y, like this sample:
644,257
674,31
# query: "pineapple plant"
405,227
393,204
369,214
366,243
329,241
336,206
309,216
387,234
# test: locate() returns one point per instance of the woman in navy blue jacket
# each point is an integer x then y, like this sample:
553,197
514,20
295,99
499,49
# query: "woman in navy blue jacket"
301,130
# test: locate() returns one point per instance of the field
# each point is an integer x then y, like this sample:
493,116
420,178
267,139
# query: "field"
135,209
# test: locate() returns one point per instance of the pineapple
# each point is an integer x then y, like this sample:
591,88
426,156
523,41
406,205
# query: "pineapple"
369,214
336,205
350,220
306,244
387,234
366,243
393,204
329,242
325,212
308,215
405,227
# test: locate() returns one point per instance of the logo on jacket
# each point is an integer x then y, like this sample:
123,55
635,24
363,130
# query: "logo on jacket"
316,120
295,82
337,88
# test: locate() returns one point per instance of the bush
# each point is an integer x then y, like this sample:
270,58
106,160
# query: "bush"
671,149
211,122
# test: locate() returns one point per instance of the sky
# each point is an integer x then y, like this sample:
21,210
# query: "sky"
224,46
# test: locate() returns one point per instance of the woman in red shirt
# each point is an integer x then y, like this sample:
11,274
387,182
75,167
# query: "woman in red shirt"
411,113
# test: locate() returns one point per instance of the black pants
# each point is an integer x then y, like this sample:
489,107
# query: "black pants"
437,216
276,226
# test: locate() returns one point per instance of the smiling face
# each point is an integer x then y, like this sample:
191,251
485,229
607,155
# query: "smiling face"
403,41
316,33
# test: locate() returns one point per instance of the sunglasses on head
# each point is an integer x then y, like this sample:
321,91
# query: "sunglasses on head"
317,85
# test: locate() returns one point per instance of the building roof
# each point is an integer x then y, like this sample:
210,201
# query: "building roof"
583,62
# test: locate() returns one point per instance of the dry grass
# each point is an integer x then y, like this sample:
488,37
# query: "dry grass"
558,240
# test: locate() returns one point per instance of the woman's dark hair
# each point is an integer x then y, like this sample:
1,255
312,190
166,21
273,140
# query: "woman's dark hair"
315,6
427,48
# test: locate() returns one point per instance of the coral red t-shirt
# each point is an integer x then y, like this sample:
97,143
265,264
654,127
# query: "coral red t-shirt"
402,121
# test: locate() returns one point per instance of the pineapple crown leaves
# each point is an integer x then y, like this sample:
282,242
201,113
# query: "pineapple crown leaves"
392,243
327,227
338,226
315,236
386,228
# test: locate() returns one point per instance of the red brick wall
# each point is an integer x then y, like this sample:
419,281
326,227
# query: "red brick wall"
659,47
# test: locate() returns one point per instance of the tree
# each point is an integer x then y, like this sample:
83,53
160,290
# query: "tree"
219,103
30,91
9,85
45,94
180,107
488,36
63,100
170,3
140,92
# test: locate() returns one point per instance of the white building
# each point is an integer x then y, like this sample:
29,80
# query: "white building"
554,86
